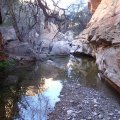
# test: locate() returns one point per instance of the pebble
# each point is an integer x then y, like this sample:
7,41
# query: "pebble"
61,95
108,118
78,112
94,113
104,119
118,112
95,100
71,101
95,105
78,84
94,110
85,101
73,118
69,112
111,114
89,118
69,118
100,116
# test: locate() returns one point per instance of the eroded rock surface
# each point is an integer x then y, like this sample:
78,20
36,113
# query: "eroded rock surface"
103,34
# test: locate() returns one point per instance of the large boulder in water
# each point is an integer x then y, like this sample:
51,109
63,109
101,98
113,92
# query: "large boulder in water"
60,48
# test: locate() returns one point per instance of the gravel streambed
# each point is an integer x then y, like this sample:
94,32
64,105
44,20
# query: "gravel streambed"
83,103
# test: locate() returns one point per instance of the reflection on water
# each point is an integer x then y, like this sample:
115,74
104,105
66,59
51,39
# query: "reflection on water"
36,107
29,93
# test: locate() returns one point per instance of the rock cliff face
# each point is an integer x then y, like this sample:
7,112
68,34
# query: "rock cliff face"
103,34
39,46
93,4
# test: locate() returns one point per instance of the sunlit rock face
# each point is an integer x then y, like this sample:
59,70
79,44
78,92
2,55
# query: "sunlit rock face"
80,48
103,33
93,4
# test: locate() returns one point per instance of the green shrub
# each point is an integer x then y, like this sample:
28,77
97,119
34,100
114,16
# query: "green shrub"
4,64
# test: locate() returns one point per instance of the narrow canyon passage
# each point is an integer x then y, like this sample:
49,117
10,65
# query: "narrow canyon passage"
59,59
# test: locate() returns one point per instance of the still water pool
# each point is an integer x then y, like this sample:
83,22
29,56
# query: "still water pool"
30,92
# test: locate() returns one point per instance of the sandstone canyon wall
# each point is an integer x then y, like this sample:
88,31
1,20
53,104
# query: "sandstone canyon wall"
103,34
93,4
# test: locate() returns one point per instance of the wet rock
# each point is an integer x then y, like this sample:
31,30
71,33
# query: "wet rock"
111,114
69,112
95,100
94,113
100,116
95,105
114,117
118,112
89,118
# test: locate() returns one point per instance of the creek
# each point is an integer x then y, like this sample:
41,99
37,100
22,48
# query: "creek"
30,92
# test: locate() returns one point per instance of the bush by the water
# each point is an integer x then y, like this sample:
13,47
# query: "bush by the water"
6,64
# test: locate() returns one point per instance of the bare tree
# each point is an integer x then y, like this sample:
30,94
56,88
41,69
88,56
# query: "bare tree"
14,21
27,15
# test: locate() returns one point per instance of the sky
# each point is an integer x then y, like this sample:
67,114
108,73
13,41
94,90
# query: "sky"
62,3
65,3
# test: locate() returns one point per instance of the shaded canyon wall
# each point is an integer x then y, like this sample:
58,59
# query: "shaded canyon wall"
103,34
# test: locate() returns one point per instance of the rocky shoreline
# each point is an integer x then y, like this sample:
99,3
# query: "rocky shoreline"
78,102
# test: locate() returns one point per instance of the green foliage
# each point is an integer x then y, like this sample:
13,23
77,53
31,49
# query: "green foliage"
6,64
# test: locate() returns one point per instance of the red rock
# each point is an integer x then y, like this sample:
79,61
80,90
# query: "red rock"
93,4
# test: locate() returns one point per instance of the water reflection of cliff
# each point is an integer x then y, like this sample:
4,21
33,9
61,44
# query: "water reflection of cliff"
84,70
